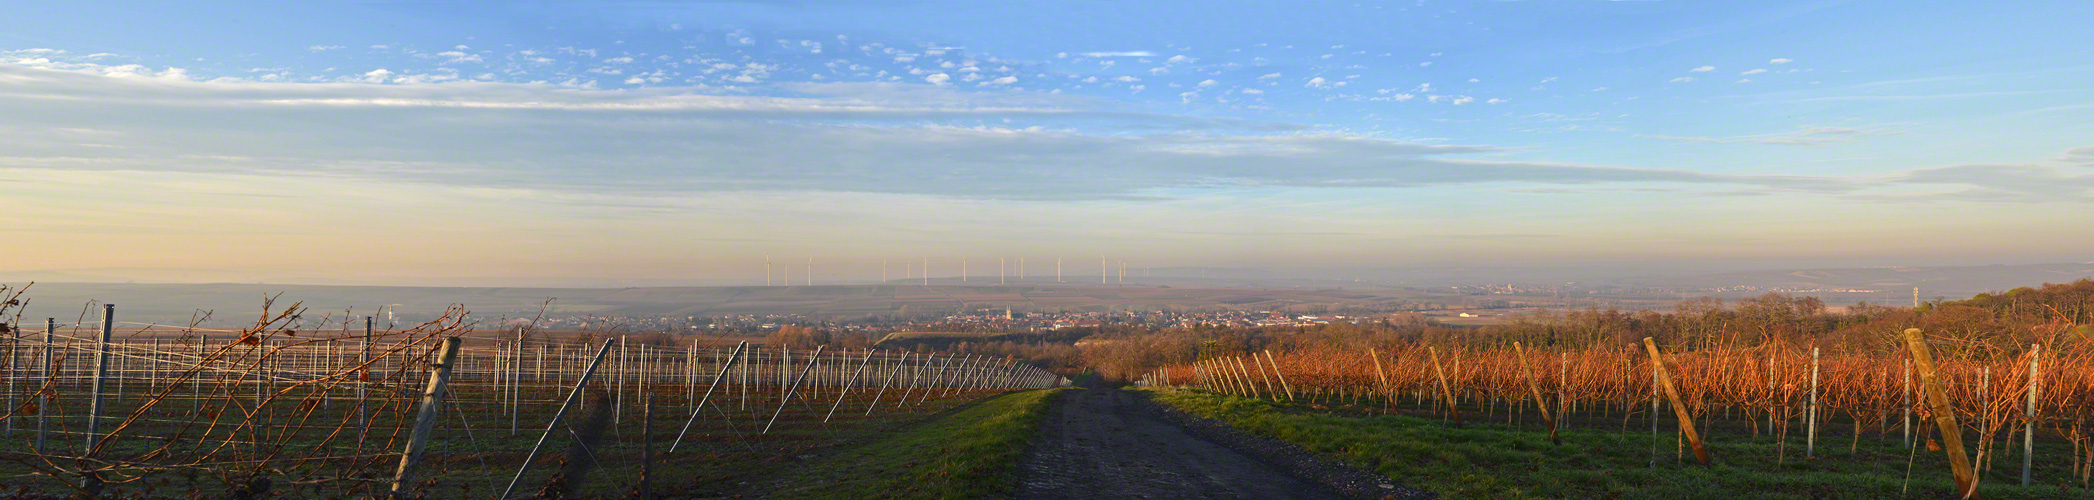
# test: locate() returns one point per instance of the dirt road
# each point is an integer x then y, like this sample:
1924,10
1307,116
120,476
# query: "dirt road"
1105,443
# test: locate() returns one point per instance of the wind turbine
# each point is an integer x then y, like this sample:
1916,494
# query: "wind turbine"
926,271
1104,270
766,269
963,269
810,270
1057,269
999,270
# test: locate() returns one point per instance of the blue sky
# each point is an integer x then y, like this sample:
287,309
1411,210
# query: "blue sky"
643,139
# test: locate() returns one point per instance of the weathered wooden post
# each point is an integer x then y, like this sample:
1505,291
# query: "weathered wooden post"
1276,374
1244,371
1534,389
1243,385
43,397
1214,378
14,344
432,408
1381,378
1944,414
1446,392
1262,376
14,354
1214,381
516,381
1252,384
94,412
363,377
1679,409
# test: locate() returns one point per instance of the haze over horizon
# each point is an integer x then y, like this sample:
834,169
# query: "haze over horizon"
397,143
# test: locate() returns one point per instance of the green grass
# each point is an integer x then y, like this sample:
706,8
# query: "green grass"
1499,461
972,453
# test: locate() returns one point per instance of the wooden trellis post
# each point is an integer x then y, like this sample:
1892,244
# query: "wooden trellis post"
1262,376
1379,376
1247,382
1534,389
363,378
432,407
1446,392
94,412
1679,409
43,397
1944,414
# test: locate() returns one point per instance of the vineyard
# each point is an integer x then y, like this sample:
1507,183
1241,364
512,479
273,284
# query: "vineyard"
341,408
2004,402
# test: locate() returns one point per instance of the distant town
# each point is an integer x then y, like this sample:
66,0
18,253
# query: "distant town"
1002,320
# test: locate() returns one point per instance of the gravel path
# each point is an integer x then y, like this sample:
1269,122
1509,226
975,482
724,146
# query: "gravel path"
1106,443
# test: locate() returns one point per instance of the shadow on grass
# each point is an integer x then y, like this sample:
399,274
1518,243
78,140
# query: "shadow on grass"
1499,461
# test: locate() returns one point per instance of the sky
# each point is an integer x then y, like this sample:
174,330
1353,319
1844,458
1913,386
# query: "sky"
469,142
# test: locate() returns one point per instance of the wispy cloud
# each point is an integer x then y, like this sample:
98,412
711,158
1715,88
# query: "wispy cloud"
1806,136
906,139
2002,183
2080,156
1127,53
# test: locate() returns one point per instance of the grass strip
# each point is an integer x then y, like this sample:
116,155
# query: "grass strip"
972,453
1499,461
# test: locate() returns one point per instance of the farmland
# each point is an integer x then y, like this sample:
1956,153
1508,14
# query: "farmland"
279,410
1776,395
1991,391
